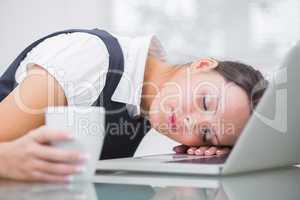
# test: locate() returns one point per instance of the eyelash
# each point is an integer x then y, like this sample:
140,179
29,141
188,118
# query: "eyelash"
204,103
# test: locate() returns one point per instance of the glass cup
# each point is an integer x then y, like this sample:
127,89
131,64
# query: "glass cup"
87,124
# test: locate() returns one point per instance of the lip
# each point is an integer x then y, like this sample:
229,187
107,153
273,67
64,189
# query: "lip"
172,121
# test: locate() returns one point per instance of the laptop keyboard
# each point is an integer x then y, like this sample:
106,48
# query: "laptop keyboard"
202,160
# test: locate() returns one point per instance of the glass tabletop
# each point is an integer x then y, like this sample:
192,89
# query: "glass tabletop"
275,184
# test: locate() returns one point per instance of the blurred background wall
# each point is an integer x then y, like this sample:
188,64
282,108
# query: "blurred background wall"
258,32
23,21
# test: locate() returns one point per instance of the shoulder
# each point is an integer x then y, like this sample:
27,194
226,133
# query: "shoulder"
149,43
66,49
76,60
67,41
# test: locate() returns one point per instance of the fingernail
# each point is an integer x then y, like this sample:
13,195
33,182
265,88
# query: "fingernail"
197,152
190,151
70,178
219,153
207,152
80,169
85,156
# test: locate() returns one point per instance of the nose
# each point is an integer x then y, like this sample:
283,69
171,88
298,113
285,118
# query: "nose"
195,125
190,123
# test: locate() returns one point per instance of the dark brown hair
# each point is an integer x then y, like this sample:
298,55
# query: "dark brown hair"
245,76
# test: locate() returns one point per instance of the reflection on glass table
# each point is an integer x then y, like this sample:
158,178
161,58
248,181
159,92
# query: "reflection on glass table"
276,185
10,190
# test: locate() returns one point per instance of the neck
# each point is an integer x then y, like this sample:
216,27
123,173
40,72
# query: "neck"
156,74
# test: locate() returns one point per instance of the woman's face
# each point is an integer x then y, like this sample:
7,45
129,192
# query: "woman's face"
196,106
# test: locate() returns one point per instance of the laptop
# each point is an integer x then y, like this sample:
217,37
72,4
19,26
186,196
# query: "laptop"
270,139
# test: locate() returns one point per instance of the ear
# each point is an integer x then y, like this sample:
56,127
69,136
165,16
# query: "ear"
204,64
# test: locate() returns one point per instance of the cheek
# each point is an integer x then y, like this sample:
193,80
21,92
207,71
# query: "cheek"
178,93
186,139
190,105
229,136
170,97
228,140
191,140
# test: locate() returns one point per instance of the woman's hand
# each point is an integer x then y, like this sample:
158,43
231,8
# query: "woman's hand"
31,158
203,150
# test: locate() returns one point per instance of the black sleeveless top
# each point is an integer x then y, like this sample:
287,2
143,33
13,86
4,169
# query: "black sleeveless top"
123,133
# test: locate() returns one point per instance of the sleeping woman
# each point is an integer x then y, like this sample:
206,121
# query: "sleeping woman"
203,104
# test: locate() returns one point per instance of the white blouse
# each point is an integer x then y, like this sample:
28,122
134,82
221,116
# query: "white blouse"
79,62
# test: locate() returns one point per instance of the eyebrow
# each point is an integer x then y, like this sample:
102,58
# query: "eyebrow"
217,102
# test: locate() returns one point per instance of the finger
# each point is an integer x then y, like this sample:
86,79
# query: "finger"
211,151
180,149
45,177
201,151
191,150
57,168
222,151
53,154
46,135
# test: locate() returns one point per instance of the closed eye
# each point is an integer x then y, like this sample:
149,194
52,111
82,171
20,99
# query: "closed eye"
204,103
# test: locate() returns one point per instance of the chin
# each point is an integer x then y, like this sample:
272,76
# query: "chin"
190,142
180,137
154,120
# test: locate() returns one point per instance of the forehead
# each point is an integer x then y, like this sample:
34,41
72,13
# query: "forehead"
212,81
234,110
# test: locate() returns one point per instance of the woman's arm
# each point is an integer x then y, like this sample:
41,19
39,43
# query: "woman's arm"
23,109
